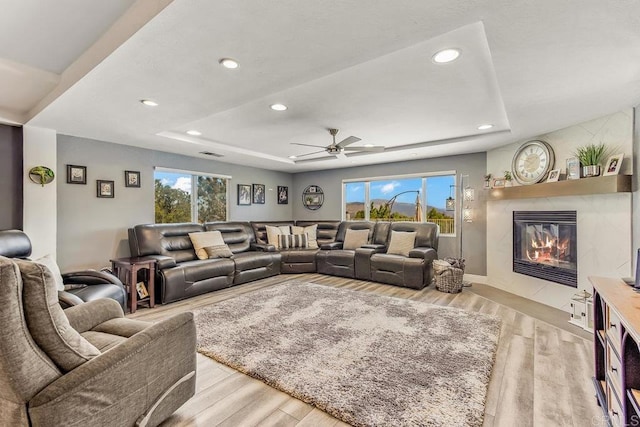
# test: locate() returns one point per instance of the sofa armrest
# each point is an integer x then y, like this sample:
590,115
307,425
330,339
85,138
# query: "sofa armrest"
331,246
377,249
128,369
162,261
86,316
263,247
90,277
67,299
429,254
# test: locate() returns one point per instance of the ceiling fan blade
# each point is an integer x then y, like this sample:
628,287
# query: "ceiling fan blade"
341,155
348,141
315,159
308,145
309,154
374,149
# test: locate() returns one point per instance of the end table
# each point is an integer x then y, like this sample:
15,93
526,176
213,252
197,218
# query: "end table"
127,269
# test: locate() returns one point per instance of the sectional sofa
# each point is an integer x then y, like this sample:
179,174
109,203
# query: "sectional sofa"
180,274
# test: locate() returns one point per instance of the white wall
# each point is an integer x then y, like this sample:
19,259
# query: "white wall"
40,208
604,221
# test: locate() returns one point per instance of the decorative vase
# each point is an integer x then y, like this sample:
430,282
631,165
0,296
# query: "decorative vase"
592,170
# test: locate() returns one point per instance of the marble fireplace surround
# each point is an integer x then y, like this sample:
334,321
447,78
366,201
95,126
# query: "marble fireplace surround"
604,244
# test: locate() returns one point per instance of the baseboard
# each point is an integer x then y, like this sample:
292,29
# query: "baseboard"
475,278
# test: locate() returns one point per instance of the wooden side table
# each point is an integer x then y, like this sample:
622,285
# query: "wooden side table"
127,269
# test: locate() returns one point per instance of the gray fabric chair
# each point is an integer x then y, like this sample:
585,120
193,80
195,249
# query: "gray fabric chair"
137,373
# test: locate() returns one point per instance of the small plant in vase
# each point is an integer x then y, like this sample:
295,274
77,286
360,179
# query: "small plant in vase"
591,157
508,178
487,181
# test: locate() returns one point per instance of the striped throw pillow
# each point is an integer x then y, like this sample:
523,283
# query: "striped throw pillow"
288,241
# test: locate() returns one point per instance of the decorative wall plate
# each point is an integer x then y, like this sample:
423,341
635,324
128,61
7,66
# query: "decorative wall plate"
41,175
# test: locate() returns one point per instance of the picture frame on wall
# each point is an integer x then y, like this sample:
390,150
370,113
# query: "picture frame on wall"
283,195
244,194
105,188
258,194
132,179
76,174
613,165
573,168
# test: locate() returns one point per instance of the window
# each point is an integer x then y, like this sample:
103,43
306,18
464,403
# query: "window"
189,197
415,198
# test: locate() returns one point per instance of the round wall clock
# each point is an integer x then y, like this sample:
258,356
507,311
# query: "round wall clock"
532,162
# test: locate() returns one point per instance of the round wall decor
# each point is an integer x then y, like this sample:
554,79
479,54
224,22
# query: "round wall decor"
41,175
532,162
313,197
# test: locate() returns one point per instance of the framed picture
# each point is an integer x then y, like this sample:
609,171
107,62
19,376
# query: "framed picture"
258,194
132,179
554,175
244,194
283,195
612,167
105,188
573,168
498,183
312,189
76,174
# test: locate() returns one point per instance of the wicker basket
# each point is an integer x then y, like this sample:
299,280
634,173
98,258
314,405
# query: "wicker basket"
447,278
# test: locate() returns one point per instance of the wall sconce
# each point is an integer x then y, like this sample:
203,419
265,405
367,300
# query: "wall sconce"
467,214
450,203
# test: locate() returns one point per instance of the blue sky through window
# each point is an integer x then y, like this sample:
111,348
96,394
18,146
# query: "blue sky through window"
175,180
438,189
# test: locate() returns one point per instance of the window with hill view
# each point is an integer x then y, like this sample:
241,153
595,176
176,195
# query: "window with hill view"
183,197
416,199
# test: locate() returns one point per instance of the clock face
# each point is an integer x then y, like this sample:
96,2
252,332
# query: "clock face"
532,162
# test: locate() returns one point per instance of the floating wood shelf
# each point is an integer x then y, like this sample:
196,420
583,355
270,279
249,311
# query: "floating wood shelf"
575,187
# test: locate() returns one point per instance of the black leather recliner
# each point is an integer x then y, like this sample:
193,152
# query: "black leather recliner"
80,286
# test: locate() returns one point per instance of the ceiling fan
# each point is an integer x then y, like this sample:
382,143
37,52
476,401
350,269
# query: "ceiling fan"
338,149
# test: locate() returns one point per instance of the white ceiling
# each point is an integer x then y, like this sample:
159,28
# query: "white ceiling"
362,67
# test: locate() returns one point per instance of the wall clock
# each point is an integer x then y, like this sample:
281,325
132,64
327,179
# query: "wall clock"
532,162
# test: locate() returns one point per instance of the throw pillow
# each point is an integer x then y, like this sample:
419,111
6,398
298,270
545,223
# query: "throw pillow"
353,239
51,264
401,242
218,251
312,234
205,239
273,233
47,322
288,241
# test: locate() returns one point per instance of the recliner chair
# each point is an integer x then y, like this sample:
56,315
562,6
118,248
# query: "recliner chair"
80,286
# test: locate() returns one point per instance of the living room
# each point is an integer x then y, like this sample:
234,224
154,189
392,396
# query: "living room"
521,69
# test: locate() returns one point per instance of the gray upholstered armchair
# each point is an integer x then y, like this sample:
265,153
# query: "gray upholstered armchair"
87,365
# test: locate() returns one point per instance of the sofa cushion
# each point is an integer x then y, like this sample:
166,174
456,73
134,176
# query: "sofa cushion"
197,270
218,251
353,239
287,241
311,231
401,242
274,233
52,265
47,322
203,240
250,260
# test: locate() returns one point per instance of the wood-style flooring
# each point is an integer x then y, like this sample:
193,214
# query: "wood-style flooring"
542,373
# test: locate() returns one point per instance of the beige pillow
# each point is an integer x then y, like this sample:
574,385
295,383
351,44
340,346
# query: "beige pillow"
401,242
273,233
353,239
220,251
204,239
51,264
312,234
47,322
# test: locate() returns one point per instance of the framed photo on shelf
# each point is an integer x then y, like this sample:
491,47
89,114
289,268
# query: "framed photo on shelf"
105,189
498,183
244,194
132,179
76,174
258,194
283,195
554,175
613,165
573,168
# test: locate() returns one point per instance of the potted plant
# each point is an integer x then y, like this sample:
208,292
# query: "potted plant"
507,179
591,157
487,181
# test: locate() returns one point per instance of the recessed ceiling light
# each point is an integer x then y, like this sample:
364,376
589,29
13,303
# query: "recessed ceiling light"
414,154
278,107
446,55
368,145
293,157
194,132
485,126
229,63
149,103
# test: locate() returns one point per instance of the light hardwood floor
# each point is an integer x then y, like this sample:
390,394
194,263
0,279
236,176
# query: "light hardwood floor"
542,373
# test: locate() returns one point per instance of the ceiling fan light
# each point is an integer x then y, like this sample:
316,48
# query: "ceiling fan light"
485,126
446,55
278,107
229,63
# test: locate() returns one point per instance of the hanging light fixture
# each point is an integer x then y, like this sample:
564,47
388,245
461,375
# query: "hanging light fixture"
450,203
467,214
468,194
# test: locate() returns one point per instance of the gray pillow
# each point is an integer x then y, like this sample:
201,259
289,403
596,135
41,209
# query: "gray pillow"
218,251
47,322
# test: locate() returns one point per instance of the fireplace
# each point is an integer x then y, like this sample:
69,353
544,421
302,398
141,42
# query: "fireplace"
545,245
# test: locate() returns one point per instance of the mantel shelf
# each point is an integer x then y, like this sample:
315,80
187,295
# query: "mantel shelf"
576,187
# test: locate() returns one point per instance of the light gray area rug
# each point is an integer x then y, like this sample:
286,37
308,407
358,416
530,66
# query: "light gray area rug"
366,359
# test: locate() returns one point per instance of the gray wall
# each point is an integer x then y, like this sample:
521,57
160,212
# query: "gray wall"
92,230
474,165
11,177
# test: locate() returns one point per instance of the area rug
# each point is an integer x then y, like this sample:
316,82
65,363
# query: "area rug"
366,359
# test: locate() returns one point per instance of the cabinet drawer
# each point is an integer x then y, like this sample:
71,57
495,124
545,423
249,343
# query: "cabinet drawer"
614,369
614,408
614,329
